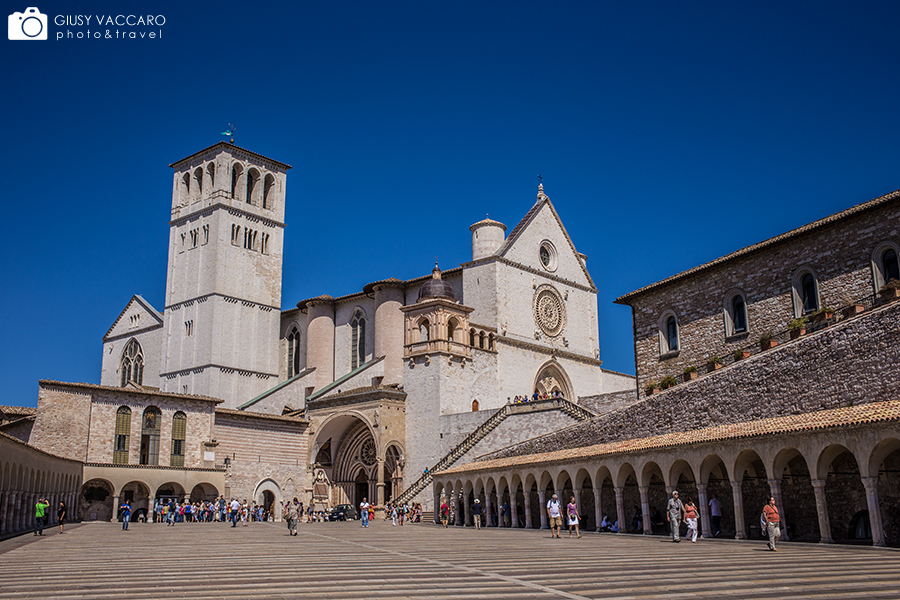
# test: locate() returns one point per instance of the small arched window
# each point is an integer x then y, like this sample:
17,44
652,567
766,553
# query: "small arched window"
885,264
357,340
211,172
451,329
122,436
472,337
474,405
268,184
198,179
236,171
252,180
132,366
735,313
491,342
668,333
179,427
808,297
481,340
293,352
150,425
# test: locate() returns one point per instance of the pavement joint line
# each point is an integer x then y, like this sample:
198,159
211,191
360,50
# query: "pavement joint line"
445,564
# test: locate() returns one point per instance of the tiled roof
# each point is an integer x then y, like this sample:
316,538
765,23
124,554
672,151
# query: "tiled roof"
124,390
227,145
853,210
877,412
18,410
256,415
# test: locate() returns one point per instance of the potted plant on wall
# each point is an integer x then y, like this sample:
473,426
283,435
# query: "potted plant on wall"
651,388
853,310
823,314
797,327
766,341
741,354
667,382
689,374
890,291
713,363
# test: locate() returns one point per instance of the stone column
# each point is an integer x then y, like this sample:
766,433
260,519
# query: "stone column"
10,520
457,509
389,329
467,511
488,507
513,508
620,508
542,501
577,494
320,339
4,504
645,510
871,485
115,510
775,490
526,498
740,528
598,511
705,519
379,483
822,510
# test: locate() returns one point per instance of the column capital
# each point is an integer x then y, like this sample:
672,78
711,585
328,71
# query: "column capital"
701,487
643,489
774,483
870,483
736,484
818,483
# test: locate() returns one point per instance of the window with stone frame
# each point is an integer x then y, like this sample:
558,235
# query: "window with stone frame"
150,427
122,436
131,367
805,292
885,264
293,353
735,312
357,339
179,428
668,333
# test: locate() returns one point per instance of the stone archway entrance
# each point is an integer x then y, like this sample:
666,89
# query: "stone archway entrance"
552,378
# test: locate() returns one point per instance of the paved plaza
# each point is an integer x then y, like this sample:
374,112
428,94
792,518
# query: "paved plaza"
342,560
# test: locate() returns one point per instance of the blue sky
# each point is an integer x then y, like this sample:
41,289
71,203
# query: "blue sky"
668,134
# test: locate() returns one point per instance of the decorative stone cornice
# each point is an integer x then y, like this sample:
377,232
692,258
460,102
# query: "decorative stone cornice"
554,352
234,210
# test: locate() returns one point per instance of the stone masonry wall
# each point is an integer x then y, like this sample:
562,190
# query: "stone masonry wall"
840,254
63,422
856,361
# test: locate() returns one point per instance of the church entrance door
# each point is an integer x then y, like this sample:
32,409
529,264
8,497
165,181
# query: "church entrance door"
362,487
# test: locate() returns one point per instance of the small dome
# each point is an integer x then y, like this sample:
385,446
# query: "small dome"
436,287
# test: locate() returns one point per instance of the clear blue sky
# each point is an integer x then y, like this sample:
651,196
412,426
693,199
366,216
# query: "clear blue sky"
668,133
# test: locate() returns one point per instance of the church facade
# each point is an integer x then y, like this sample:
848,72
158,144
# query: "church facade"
372,385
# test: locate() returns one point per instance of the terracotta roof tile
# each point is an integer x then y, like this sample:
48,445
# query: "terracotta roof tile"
826,419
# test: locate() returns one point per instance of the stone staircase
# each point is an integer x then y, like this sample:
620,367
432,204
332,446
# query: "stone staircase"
570,408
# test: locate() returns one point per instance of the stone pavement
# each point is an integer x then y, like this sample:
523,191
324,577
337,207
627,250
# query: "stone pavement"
344,561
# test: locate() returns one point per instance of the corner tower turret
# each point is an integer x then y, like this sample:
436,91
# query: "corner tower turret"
487,237
223,286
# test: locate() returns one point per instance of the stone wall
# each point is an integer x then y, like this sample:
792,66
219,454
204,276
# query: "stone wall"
63,422
604,403
839,253
854,362
264,452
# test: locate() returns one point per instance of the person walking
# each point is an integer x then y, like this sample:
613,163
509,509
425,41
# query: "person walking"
555,515
394,512
61,515
690,517
364,511
715,509
674,513
40,509
126,515
773,523
476,513
235,511
445,513
291,515
572,514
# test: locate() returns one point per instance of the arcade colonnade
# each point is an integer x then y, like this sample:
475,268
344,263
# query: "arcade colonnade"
27,474
106,486
835,483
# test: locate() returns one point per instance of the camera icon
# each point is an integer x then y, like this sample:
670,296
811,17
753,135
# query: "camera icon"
29,25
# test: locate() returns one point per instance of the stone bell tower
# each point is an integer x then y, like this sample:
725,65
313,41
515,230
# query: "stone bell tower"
223,286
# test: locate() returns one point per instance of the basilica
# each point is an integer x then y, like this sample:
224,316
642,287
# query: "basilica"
331,399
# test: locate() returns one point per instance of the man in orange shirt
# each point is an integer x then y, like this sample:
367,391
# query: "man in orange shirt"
773,523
